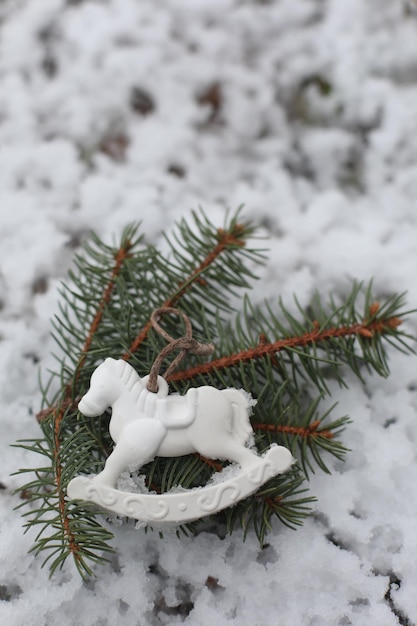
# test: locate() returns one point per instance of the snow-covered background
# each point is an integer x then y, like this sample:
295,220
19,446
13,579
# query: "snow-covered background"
305,111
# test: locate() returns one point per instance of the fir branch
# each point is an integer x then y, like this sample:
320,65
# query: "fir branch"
65,409
278,357
283,497
72,543
312,430
122,254
316,337
228,239
120,257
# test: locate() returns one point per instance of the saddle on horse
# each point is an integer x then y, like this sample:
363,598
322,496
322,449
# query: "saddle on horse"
177,411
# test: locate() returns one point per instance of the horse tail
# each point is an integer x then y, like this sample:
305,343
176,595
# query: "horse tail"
241,403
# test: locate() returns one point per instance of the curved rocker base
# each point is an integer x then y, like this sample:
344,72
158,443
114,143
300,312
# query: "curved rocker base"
184,506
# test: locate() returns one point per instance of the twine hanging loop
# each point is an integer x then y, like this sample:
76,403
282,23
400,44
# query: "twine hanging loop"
184,344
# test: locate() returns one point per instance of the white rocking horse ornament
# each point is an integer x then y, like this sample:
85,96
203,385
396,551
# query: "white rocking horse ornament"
144,424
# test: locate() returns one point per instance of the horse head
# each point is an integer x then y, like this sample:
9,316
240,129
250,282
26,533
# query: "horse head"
104,388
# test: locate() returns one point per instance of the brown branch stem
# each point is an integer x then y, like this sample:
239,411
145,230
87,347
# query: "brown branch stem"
225,240
59,416
217,465
120,257
67,399
302,431
58,411
363,329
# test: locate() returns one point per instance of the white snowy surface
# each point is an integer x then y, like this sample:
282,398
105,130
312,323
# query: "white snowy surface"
103,121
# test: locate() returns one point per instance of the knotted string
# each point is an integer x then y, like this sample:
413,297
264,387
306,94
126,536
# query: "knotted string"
184,344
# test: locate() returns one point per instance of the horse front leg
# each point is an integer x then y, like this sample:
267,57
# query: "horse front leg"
137,444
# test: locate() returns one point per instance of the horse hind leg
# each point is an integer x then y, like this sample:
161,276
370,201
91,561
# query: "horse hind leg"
231,450
137,445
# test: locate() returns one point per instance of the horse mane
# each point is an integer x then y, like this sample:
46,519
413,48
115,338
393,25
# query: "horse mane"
127,376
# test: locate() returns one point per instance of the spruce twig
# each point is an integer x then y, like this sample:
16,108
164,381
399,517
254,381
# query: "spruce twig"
284,361
317,337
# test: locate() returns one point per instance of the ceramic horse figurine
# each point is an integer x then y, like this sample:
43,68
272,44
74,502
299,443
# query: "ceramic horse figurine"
147,422
212,422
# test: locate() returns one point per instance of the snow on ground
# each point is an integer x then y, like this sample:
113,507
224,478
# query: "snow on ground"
303,110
